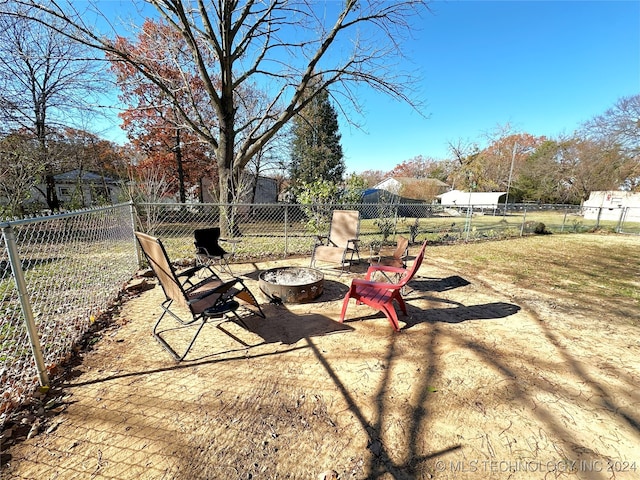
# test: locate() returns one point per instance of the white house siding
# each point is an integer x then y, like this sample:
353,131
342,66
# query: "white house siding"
612,205
458,198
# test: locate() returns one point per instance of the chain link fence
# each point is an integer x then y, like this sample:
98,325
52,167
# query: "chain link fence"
281,230
59,273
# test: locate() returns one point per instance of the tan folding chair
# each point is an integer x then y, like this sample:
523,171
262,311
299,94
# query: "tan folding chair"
398,259
197,290
341,246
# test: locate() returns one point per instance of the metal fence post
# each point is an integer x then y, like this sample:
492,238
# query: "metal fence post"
132,213
524,220
286,223
623,213
25,303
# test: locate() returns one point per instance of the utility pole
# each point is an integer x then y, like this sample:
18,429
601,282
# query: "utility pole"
513,158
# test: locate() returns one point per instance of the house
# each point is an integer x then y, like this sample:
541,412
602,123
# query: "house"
79,188
478,200
405,190
613,205
262,190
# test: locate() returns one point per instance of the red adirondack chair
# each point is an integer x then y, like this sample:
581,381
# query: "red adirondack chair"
380,295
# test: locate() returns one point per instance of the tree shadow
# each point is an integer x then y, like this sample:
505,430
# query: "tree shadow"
438,284
459,314
381,462
287,327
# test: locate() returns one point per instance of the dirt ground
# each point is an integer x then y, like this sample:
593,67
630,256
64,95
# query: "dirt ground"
485,380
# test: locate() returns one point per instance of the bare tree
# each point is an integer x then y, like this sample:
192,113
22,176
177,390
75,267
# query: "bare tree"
45,83
619,124
19,171
619,128
281,45
148,186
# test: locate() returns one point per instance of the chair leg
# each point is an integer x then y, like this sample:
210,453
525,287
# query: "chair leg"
392,316
224,266
401,303
345,304
157,335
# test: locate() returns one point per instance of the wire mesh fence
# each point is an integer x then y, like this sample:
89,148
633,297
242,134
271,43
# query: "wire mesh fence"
280,230
74,265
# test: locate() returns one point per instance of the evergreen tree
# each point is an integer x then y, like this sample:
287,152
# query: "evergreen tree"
316,153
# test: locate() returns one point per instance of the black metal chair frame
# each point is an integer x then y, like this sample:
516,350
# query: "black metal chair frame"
199,289
210,252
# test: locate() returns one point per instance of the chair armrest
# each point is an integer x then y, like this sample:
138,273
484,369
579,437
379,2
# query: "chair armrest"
369,283
320,239
233,242
189,272
220,289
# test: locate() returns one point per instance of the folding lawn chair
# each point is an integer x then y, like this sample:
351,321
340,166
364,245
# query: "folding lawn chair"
197,289
398,259
210,252
342,244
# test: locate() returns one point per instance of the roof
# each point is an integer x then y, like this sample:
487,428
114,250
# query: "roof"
408,181
86,177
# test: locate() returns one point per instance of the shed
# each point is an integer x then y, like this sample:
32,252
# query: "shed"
613,205
478,200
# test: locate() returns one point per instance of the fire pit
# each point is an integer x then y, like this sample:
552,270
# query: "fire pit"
292,284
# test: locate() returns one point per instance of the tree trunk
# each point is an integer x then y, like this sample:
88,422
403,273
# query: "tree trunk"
52,197
177,150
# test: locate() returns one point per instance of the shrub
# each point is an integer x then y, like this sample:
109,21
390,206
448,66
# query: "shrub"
386,226
541,229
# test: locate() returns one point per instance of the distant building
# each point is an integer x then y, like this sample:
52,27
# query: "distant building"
613,205
262,190
405,190
478,200
82,189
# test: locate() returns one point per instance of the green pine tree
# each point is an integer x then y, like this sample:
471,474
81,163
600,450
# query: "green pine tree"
316,153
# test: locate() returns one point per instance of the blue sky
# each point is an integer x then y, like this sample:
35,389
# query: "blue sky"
544,67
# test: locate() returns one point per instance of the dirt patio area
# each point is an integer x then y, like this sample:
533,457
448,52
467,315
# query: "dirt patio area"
487,379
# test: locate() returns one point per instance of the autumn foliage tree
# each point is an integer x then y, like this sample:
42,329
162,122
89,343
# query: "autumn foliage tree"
153,119
420,167
283,46
372,177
